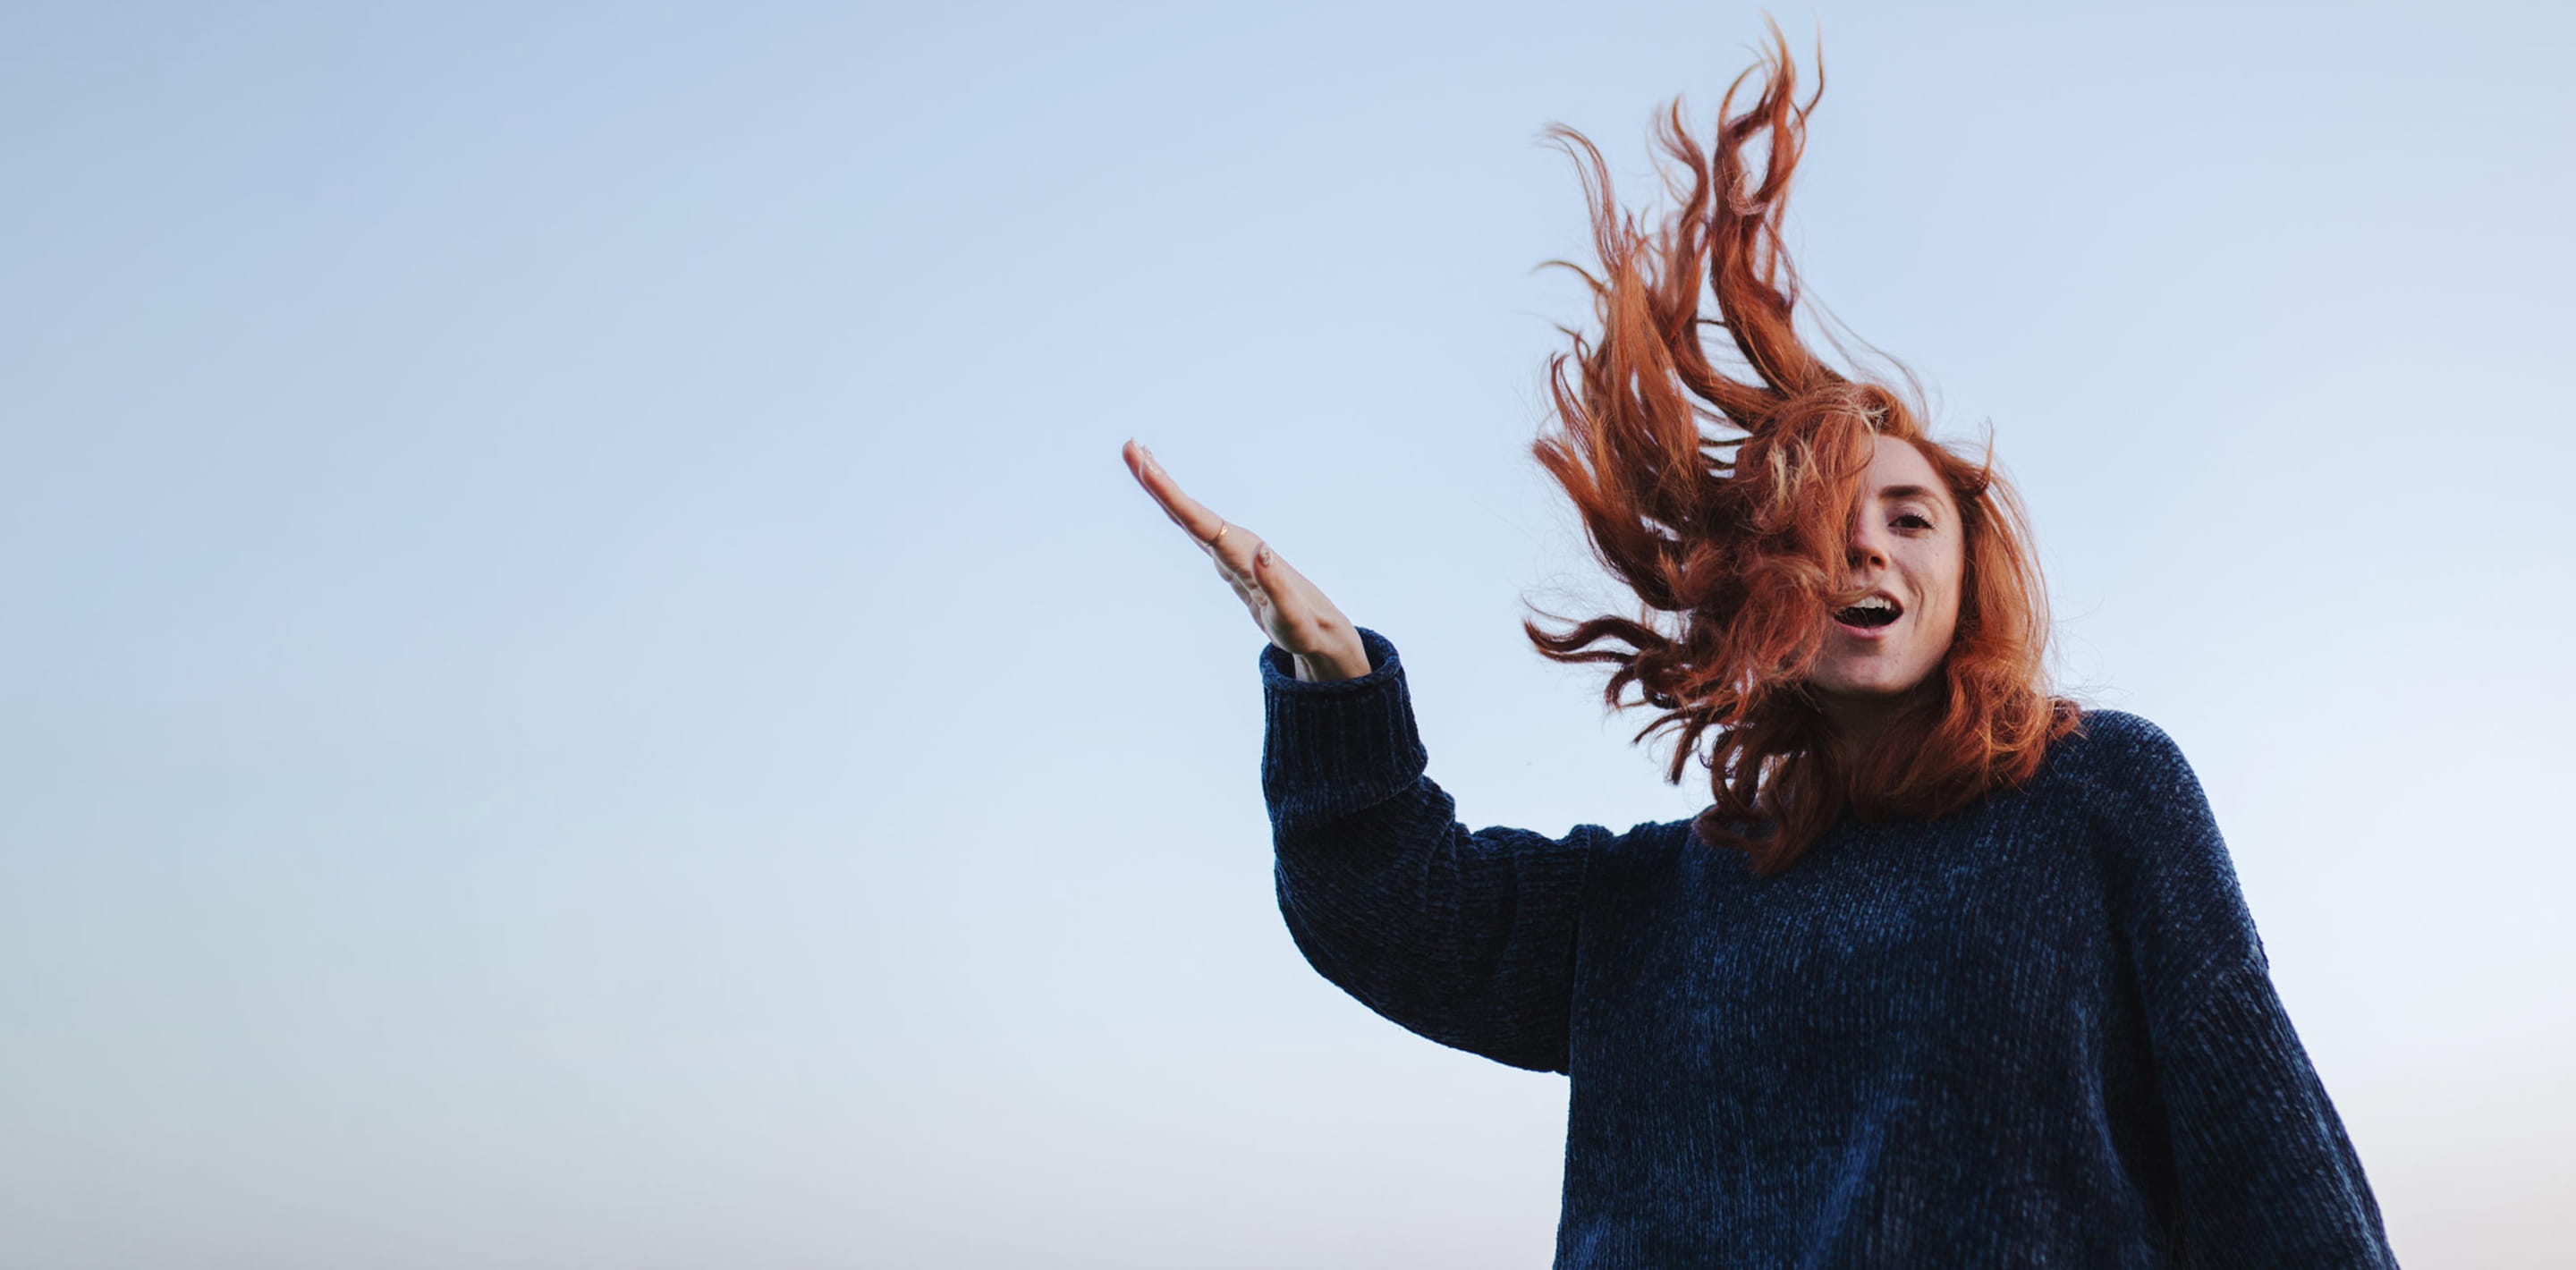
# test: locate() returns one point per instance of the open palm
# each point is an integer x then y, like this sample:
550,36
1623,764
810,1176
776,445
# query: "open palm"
1289,609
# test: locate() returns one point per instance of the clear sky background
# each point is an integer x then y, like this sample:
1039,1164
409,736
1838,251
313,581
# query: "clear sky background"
581,682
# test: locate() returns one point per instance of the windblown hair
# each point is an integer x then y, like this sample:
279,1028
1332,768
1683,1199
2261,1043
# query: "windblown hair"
1740,535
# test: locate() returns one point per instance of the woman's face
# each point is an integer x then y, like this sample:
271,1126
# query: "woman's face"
1908,551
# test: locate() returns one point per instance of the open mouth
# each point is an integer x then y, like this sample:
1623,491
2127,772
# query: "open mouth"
1871,613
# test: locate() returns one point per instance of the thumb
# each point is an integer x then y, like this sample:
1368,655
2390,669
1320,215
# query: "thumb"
1276,581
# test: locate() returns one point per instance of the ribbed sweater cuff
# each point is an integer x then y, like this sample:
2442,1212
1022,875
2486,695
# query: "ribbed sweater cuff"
1330,749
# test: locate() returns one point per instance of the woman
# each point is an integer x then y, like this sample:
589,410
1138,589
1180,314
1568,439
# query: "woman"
1950,972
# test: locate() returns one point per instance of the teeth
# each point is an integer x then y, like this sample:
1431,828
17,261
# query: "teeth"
1874,602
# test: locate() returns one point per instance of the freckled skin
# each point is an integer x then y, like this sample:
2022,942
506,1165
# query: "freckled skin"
1908,542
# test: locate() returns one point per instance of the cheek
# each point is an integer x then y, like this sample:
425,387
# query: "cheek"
1947,577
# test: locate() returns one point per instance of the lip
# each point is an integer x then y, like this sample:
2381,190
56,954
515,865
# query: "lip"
1869,632
1875,632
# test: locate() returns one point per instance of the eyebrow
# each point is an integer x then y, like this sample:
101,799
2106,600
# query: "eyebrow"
1906,491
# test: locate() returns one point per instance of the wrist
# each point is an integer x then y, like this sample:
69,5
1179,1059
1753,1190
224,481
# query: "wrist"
1348,660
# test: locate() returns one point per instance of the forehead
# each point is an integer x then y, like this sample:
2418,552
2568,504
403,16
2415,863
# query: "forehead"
1897,465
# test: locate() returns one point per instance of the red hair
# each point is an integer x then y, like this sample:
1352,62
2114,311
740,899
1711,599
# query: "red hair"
1741,534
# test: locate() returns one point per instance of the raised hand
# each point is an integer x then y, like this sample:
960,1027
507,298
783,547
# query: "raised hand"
1287,607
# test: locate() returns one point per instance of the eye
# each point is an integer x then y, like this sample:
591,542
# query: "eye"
1912,520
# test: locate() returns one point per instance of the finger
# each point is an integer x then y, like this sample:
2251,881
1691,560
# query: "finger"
1185,511
1256,605
1277,584
1158,483
1234,548
1245,589
1232,545
1301,606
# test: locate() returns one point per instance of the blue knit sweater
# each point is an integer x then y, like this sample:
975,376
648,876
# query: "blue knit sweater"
2038,1032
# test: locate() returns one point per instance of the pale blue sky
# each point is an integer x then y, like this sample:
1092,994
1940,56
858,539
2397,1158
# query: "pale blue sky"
584,684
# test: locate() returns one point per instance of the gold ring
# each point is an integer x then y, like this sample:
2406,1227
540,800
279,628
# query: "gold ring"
1220,533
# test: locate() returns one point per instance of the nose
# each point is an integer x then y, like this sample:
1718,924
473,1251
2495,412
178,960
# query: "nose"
1868,547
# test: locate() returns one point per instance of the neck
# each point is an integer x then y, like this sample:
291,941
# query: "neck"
1857,722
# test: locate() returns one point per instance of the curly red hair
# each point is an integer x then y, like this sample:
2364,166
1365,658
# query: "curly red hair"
1742,534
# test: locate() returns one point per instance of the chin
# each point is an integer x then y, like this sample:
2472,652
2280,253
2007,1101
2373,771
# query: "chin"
1880,687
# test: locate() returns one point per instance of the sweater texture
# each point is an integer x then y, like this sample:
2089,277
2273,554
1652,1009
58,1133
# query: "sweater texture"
2037,1032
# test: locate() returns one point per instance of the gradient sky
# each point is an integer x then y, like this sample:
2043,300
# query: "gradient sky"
584,684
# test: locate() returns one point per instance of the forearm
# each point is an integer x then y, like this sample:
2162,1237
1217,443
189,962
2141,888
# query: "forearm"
1464,936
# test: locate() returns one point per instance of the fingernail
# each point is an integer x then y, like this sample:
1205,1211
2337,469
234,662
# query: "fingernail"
1264,556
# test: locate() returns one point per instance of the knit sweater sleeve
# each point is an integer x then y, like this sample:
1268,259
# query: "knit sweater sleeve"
2263,1174
1465,937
